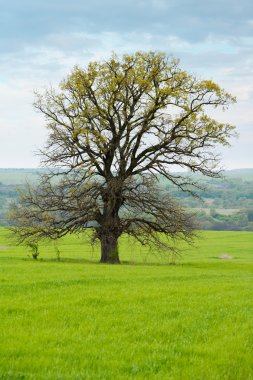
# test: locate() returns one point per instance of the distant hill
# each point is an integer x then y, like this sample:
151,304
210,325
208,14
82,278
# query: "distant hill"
21,176
245,174
227,203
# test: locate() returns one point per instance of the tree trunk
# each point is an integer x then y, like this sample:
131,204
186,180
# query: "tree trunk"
109,249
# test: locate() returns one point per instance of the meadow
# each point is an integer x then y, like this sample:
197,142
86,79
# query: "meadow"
69,317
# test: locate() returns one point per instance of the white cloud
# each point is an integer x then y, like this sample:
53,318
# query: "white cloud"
35,65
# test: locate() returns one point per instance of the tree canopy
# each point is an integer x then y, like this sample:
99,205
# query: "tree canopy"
115,128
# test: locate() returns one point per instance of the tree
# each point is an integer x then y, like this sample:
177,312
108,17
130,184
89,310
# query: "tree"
250,215
115,129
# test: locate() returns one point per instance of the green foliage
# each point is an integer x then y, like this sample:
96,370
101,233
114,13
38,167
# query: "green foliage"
74,319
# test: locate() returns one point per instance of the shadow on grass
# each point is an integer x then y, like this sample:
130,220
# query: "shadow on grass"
97,262
150,263
61,260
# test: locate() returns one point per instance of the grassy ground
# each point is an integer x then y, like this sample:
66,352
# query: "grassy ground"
75,319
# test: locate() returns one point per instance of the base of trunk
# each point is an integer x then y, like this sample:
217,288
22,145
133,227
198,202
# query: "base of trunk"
109,250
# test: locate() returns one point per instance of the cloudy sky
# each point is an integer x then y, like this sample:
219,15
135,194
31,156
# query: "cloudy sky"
40,41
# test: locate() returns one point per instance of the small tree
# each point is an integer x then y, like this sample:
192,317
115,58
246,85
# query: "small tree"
250,215
115,129
34,249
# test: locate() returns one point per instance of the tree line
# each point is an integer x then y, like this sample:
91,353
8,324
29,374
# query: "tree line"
217,196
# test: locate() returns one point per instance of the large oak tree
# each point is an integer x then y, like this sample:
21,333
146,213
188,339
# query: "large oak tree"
115,129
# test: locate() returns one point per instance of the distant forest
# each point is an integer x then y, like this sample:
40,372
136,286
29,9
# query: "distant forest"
227,203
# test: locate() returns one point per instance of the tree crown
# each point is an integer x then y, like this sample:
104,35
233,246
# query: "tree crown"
141,113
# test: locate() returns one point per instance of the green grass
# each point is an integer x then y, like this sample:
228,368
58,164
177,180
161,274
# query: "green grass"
76,319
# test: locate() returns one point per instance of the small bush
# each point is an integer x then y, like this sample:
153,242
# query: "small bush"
34,250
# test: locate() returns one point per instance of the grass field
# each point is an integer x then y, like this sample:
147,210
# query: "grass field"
76,319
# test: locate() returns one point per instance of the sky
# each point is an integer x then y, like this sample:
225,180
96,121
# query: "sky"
41,41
